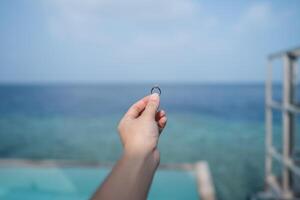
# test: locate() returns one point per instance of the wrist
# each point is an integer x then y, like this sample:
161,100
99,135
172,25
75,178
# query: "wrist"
151,157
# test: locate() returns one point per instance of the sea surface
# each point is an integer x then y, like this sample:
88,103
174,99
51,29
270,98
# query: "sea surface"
220,123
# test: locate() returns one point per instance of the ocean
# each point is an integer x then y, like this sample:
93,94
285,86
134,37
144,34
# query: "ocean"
220,123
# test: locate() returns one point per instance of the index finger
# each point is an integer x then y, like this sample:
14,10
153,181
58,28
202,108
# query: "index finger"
135,110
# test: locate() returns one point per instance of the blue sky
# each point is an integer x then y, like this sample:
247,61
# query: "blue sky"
143,40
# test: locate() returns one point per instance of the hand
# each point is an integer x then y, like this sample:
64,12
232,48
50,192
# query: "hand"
139,131
141,126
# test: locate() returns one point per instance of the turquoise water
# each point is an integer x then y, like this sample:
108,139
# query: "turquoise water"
80,183
223,124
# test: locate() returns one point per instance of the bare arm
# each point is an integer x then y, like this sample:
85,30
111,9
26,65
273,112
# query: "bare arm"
139,129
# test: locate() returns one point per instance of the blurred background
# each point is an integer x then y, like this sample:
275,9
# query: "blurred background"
69,69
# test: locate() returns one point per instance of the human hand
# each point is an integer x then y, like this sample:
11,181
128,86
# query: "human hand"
141,126
139,130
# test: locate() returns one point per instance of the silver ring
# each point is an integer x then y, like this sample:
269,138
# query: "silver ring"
156,89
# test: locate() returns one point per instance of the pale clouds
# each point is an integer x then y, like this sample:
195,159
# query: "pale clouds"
97,18
168,33
258,16
148,24
135,28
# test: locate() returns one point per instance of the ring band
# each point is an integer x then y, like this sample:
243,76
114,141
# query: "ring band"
154,89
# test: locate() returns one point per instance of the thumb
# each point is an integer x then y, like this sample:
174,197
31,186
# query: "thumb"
152,106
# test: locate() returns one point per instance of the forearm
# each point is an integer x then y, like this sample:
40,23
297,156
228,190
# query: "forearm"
130,179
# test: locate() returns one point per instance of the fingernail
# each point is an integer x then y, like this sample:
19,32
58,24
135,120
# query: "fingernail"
154,96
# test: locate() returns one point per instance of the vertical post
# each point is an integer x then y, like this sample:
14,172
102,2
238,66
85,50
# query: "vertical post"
268,110
287,123
293,61
205,183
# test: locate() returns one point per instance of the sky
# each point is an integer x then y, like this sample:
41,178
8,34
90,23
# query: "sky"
143,40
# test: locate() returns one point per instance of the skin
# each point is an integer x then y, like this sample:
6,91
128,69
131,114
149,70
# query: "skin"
139,130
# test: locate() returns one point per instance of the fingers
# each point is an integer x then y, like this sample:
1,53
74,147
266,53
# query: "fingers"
135,110
152,106
162,123
159,115
161,120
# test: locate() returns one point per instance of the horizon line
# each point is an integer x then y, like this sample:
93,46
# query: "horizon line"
133,82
